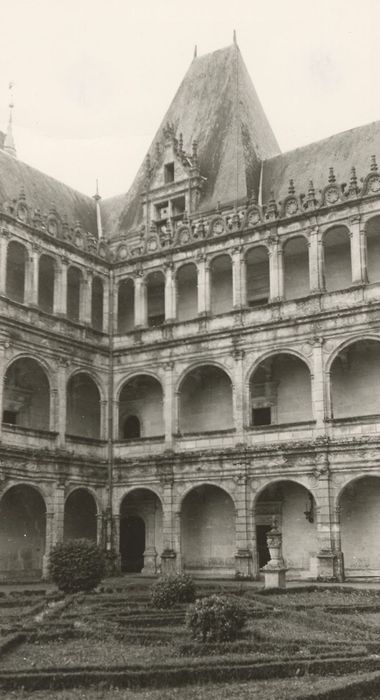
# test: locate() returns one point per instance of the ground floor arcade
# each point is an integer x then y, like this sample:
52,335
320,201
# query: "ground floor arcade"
208,529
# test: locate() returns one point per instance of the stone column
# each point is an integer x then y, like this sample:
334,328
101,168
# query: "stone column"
357,243
276,271
150,553
54,410
168,557
141,306
85,299
31,277
3,348
243,557
60,288
326,557
337,543
3,261
99,530
237,293
169,404
54,524
315,261
103,419
203,286
106,306
238,394
170,293
60,427
317,388
114,542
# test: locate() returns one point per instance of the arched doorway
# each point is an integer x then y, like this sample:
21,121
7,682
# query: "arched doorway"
22,532
354,379
80,516
205,400
360,527
132,543
208,531
141,408
140,532
132,428
293,507
83,406
26,395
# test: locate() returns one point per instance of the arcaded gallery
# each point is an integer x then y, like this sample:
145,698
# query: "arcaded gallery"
184,363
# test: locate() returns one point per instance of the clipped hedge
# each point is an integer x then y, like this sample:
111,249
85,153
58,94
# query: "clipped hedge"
171,590
76,565
216,618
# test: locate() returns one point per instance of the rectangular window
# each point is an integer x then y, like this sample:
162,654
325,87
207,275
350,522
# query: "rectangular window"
169,173
10,417
261,416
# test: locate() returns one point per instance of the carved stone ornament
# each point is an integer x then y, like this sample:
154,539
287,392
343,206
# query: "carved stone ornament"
332,195
152,244
291,206
122,252
253,216
218,226
184,235
373,183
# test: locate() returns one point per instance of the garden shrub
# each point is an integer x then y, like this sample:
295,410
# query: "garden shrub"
169,590
76,565
217,618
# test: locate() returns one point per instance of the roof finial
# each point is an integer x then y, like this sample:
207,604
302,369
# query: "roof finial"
195,51
234,37
97,198
9,144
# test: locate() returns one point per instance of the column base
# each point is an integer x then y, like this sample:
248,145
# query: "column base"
326,566
45,567
150,562
274,577
243,564
168,562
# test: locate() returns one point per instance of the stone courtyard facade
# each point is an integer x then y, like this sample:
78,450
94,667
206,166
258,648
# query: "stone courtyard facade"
184,362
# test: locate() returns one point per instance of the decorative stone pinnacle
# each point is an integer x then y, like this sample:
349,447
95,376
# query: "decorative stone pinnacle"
332,178
291,189
22,194
374,167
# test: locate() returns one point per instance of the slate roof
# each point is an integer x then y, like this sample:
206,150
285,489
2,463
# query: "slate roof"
217,105
43,191
312,162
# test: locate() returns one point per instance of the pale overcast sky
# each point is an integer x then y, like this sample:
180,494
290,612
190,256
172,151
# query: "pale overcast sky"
94,79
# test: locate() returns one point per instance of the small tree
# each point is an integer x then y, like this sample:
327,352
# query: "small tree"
76,565
216,618
169,590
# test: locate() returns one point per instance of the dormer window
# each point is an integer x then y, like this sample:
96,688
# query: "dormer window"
168,173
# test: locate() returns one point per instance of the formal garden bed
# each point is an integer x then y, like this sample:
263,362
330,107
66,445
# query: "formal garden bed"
294,644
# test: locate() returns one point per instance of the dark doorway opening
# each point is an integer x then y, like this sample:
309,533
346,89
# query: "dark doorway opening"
132,428
261,543
132,544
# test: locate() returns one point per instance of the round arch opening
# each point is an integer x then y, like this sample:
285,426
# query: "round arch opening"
141,401
354,377
205,402
360,527
22,532
26,395
208,540
293,507
83,407
140,532
80,517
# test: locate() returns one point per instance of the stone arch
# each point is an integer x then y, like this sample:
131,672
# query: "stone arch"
16,270
208,530
22,531
74,292
97,302
205,398
142,396
187,290
26,400
354,374
257,274
80,514
47,270
359,515
276,384
296,267
141,539
155,297
337,258
83,405
293,505
126,305
221,287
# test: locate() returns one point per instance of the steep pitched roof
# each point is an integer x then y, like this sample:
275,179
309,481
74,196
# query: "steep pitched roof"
216,105
312,162
43,191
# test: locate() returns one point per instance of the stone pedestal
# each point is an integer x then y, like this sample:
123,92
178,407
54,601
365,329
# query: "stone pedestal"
243,564
326,566
168,562
150,559
275,570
